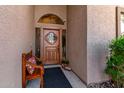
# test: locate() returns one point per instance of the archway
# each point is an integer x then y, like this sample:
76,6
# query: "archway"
53,24
51,19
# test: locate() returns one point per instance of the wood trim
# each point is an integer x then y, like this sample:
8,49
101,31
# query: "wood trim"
119,10
23,71
51,29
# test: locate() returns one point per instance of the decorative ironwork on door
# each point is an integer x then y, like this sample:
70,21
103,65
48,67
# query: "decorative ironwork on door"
51,38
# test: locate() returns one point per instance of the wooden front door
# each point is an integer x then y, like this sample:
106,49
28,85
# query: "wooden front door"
51,46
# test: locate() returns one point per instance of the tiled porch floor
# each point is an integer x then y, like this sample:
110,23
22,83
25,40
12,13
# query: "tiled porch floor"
72,78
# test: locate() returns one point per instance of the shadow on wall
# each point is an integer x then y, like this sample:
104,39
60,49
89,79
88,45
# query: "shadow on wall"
98,61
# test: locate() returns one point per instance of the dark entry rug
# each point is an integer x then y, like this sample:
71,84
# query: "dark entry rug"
55,78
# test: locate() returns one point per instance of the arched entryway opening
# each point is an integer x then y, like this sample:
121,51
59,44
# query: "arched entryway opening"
51,41
51,19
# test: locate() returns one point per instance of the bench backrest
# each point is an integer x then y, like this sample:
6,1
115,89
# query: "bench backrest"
25,57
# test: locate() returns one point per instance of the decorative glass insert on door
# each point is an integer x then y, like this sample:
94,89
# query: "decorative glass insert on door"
51,38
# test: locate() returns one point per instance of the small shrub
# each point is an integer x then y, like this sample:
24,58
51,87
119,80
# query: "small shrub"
115,62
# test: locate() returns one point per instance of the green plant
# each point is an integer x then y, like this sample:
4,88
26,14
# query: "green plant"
65,61
115,61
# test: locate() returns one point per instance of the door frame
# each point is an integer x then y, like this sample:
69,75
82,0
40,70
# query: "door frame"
48,28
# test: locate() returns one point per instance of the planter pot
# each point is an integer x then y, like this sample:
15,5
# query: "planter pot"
66,67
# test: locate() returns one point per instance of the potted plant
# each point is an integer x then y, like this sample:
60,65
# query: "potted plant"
65,64
115,61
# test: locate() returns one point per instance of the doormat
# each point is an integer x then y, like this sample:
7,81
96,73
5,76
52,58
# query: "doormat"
55,78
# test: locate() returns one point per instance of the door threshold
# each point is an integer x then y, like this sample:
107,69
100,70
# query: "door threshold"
51,65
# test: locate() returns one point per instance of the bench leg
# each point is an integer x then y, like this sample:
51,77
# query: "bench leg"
42,82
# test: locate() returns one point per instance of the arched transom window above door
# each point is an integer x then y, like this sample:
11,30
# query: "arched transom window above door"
51,19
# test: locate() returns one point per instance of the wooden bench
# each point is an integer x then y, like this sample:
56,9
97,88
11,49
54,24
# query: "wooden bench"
38,70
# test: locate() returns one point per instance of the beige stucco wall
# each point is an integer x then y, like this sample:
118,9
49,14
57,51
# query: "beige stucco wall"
89,31
16,36
100,31
76,40
94,26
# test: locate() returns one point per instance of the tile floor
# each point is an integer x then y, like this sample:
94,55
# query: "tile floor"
72,78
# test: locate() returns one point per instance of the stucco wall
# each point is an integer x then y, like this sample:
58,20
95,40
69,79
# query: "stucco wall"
16,36
101,30
89,31
76,40
59,10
